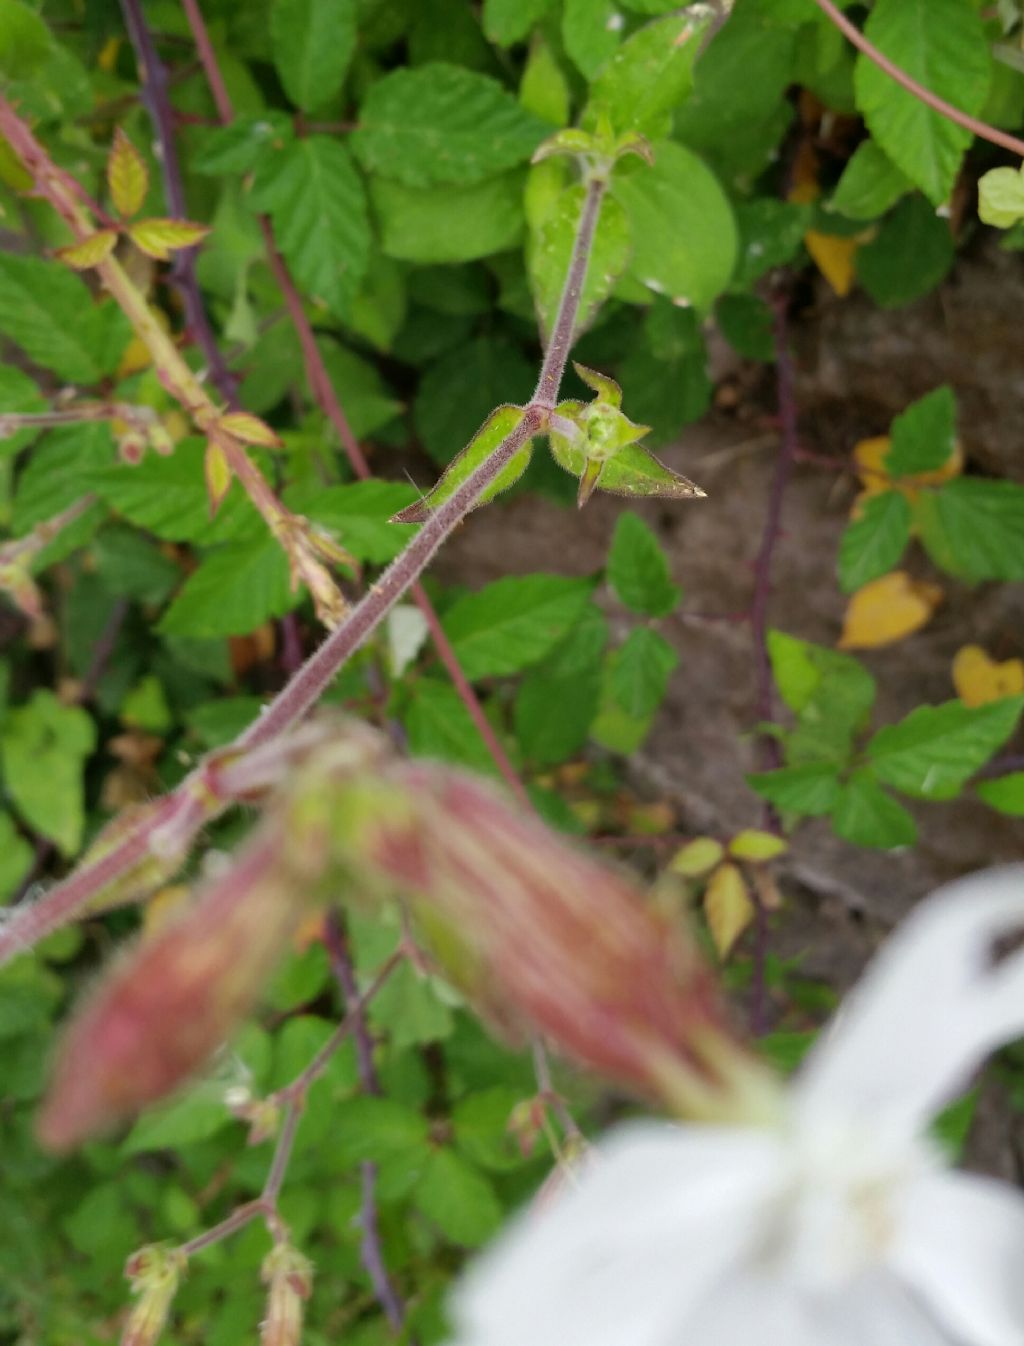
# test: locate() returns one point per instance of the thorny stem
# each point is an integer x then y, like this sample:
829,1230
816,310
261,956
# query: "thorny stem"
371,1249
323,392
173,370
155,94
932,100
294,1097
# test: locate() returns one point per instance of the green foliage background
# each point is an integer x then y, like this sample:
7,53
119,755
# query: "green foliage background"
389,142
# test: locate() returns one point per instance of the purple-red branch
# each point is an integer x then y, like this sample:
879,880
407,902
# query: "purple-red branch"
932,100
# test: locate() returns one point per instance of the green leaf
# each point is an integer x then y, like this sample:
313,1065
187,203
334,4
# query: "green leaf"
911,254
49,312
459,1199
16,857
684,234
409,1010
60,470
871,184
935,749
746,322
559,698
233,590
145,707
313,42
924,436
358,515
366,398
510,21
942,45
130,564
438,724
590,33
44,745
240,147
513,623
544,89
666,373
378,1129
550,250
316,200
810,789
167,497
647,77
771,235
1005,793
830,693
449,224
19,394
441,124
867,815
480,1123
873,543
640,672
498,426
638,569
24,40
974,528
1001,197
195,1116
458,393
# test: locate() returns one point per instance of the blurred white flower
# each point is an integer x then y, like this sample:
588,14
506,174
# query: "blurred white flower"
840,1226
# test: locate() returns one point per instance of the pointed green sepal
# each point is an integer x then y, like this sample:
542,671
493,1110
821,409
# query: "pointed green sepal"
498,426
607,389
570,141
589,479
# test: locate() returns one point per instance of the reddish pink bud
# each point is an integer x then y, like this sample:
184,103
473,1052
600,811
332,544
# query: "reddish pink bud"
174,998
543,936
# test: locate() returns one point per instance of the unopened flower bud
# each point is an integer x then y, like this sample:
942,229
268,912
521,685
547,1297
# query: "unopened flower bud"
173,999
541,936
154,1272
131,446
289,1276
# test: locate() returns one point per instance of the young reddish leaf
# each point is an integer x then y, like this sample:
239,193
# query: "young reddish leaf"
218,475
91,251
250,429
127,176
887,610
979,679
728,907
159,238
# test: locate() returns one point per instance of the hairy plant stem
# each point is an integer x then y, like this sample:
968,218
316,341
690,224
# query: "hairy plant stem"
29,924
324,395
174,372
293,1096
932,100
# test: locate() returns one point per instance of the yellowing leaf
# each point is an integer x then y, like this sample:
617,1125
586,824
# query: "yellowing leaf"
697,857
833,257
218,475
107,59
159,238
887,610
249,428
869,456
91,251
979,679
13,172
754,845
127,176
728,907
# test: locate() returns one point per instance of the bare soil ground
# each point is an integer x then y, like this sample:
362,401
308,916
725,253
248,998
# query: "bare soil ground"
857,368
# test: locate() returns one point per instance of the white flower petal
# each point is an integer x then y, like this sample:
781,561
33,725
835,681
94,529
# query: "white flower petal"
878,1311
751,1309
929,1010
659,1216
961,1246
